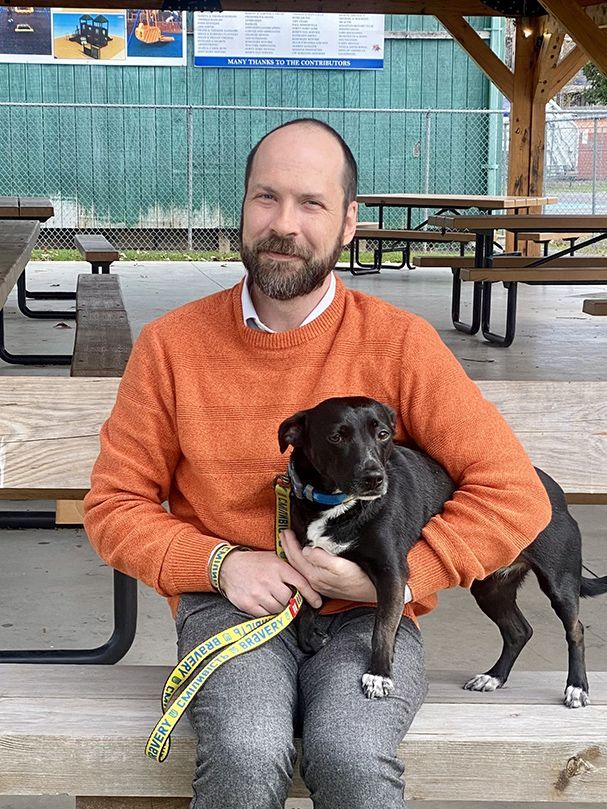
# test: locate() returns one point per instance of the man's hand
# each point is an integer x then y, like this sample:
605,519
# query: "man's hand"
257,582
330,575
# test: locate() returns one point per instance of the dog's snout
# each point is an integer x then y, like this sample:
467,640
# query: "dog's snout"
373,479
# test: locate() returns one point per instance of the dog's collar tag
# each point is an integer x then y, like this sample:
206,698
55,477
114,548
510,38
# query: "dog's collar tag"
308,492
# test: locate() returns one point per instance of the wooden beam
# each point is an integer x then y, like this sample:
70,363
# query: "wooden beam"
477,49
581,28
466,8
550,51
566,69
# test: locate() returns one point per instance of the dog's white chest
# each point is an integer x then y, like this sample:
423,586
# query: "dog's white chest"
317,531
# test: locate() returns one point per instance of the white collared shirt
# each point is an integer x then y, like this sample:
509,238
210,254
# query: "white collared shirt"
252,320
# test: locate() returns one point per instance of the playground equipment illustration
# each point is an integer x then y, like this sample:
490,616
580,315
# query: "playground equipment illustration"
92,33
151,30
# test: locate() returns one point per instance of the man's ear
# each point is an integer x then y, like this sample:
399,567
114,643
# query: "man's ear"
291,431
350,223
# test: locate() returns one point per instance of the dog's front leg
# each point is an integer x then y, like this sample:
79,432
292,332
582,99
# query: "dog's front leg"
390,586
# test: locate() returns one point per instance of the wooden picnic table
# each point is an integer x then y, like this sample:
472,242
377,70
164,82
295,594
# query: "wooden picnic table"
49,430
485,227
39,208
548,269
440,204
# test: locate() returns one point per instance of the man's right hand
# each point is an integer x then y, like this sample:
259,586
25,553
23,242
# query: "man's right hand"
258,582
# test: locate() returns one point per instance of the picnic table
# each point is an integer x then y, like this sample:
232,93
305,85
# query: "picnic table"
439,203
49,428
39,208
554,268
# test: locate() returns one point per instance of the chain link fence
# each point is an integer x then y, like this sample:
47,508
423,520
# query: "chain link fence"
170,178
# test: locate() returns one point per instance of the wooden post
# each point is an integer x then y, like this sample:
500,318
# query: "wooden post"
527,117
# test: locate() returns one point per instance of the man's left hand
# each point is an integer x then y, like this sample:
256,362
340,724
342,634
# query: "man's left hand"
329,575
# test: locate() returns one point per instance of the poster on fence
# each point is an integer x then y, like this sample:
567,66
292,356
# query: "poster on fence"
94,36
287,40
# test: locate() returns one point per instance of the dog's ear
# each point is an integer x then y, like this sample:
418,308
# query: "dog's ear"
291,431
390,414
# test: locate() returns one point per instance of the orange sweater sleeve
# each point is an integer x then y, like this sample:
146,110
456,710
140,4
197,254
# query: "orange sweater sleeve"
124,517
500,505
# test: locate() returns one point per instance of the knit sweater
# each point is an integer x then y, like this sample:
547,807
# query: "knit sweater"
195,424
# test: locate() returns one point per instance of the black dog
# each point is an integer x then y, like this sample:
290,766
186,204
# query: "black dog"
358,495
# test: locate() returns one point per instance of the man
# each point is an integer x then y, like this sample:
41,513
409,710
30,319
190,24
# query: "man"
195,423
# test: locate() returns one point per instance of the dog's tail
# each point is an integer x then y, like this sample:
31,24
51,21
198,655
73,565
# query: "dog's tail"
593,587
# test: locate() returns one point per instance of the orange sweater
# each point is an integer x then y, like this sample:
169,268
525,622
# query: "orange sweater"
195,424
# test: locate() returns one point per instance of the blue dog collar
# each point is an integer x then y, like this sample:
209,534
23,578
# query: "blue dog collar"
308,492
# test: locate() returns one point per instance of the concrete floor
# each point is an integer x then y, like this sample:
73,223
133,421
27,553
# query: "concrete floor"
54,591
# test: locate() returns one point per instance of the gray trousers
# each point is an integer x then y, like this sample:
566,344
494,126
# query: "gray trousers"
248,711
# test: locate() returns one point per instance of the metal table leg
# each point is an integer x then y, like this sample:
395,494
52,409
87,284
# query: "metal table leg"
125,611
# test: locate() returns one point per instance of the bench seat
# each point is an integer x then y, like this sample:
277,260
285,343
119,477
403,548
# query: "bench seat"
103,336
97,250
554,274
595,306
81,731
390,234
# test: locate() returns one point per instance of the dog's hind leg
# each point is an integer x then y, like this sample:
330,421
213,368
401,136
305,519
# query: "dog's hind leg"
496,596
565,602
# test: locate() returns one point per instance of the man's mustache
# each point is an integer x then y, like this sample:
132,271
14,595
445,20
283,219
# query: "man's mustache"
279,244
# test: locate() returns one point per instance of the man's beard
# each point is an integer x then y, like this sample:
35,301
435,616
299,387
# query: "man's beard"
282,280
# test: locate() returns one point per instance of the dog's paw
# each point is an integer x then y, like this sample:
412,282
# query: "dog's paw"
483,682
376,687
576,697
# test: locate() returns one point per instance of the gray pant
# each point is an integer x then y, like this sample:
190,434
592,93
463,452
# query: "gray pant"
248,711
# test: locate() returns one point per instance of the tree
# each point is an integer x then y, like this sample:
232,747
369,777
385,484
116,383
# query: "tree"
597,92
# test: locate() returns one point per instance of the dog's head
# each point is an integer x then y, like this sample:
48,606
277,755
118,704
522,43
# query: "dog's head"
347,441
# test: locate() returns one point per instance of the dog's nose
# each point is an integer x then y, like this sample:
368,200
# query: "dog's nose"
373,480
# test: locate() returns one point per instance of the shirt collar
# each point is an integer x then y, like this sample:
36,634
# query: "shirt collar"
252,320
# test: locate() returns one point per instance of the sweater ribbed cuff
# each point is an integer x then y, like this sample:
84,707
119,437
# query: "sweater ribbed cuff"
427,572
185,566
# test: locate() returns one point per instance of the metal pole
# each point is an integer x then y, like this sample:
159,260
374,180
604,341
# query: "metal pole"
190,173
595,150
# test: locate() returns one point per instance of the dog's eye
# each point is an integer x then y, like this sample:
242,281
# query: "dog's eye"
335,438
383,435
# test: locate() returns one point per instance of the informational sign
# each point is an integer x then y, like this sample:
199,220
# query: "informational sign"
103,37
286,40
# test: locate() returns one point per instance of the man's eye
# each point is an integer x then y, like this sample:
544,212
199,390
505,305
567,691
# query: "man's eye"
383,435
313,202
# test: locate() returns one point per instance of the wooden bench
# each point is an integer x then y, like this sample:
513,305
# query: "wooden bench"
81,731
103,335
576,270
101,349
97,250
544,239
397,237
467,262
595,306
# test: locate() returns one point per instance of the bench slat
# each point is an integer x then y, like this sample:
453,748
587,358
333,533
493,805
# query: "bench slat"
390,234
467,262
540,274
93,745
549,237
36,207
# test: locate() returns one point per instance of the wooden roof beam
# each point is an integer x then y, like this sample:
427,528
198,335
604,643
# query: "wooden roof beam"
581,28
478,50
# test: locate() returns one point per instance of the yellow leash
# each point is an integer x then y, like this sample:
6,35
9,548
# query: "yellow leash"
238,639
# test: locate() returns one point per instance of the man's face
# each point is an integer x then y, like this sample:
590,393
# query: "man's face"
293,221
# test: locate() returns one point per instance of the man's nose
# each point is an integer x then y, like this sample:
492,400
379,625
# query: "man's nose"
285,221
